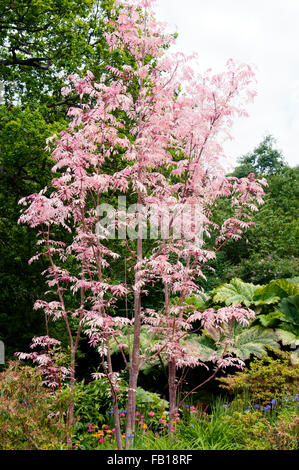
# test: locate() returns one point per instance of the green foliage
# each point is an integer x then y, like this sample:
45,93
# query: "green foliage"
256,431
29,416
210,433
290,308
264,160
266,379
239,292
285,319
270,248
93,402
234,293
42,42
243,342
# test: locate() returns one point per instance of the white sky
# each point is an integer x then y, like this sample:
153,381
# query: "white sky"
262,33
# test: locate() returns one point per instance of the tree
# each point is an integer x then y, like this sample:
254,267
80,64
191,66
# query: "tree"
41,42
264,160
170,142
270,249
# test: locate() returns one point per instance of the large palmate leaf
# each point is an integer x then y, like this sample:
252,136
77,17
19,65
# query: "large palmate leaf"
244,342
276,290
204,347
290,308
287,337
253,341
271,319
199,301
236,292
266,295
239,292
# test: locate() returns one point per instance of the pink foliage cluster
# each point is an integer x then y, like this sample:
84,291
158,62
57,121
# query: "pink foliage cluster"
168,135
54,375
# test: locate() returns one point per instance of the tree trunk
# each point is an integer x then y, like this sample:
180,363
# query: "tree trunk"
135,358
172,394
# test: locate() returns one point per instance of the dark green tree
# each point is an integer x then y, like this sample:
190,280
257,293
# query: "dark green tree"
264,160
270,249
41,43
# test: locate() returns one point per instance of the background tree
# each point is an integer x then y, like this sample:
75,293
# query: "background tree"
270,249
264,160
41,43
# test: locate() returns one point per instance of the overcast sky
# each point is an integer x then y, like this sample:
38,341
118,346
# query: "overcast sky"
262,33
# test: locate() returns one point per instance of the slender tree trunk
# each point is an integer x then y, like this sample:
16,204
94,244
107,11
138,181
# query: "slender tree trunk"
117,421
135,357
71,407
114,400
133,379
172,394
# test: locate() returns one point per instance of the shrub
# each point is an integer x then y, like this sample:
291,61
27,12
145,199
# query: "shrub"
255,431
29,417
266,379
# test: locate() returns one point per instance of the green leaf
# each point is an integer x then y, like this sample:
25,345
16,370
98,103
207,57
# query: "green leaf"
198,301
205,347
290,308
287,337
253,341
270,319
236,292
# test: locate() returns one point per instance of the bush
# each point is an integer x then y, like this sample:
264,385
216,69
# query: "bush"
256,431
266,379
93,404
29,418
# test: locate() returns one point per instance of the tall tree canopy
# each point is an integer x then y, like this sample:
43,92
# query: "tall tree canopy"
270,250
41,43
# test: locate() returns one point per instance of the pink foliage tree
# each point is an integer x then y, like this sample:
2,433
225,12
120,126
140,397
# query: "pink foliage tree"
166,123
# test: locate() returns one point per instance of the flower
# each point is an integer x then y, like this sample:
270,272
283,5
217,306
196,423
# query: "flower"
266,408
151,413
